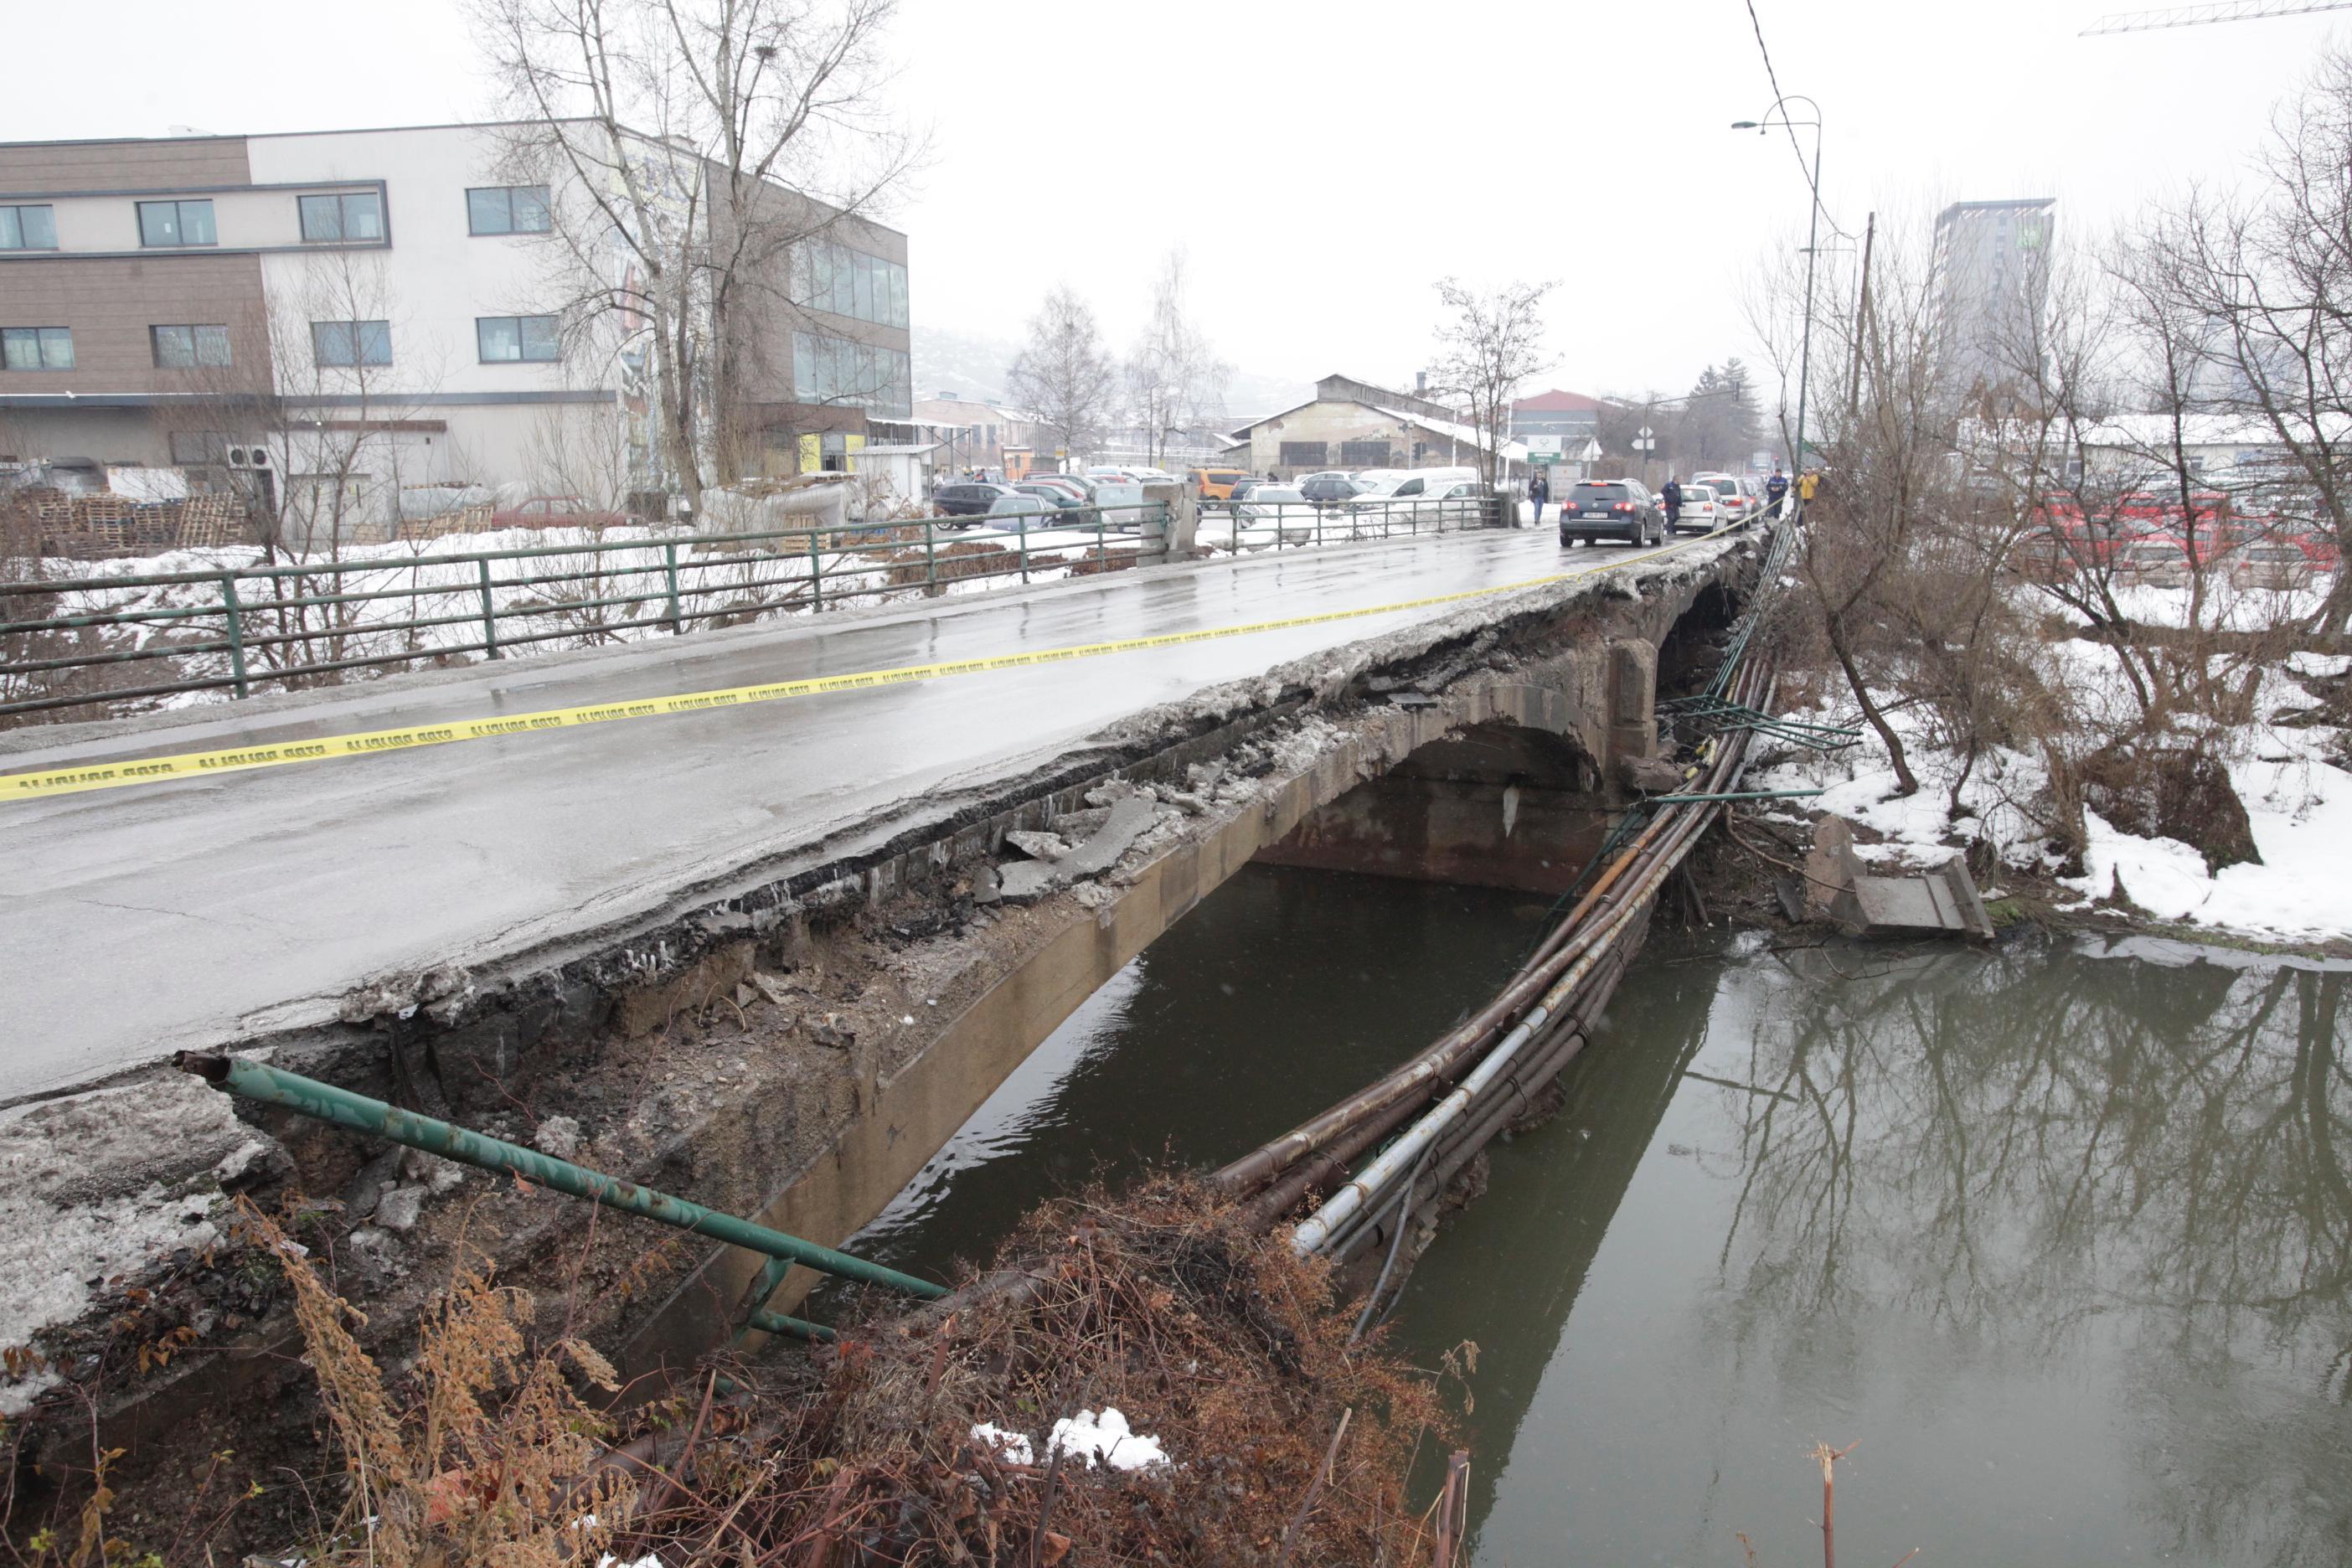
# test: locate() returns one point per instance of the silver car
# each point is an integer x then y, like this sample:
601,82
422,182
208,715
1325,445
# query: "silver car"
1736,500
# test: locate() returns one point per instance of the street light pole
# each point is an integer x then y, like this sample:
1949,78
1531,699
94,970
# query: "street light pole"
1812,248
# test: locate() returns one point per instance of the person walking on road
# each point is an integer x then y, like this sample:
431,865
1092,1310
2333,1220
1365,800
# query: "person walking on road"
1776,491
1672,494
1539,492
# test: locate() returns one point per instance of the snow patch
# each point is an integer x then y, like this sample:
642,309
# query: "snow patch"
2298,803
100,1185
1012,1447
1104,1440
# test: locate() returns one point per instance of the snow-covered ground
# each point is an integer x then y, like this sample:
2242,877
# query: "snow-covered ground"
2227,607
2299,804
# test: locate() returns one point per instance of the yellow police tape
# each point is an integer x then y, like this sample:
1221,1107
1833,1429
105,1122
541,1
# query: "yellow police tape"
150,770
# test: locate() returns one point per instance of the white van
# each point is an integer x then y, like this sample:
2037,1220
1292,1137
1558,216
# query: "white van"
1407,484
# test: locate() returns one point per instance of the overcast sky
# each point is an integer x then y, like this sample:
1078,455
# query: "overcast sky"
1323,162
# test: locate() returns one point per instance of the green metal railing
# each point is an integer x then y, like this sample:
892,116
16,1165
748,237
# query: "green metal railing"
358,1113
1249,526
102,640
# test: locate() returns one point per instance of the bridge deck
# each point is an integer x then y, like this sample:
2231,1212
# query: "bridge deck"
196,912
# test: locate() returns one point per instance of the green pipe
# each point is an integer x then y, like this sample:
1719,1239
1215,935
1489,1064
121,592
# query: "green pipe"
798,1328
274,1086
235,633
1735,795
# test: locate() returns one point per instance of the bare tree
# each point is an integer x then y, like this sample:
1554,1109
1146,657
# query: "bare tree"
1488,342
1062,376
689,148
2270,277
1174,380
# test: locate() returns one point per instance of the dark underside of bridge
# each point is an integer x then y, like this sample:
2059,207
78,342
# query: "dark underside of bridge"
1522,801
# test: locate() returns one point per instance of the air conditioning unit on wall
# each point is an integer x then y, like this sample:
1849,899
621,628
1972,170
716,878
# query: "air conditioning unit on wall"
248,456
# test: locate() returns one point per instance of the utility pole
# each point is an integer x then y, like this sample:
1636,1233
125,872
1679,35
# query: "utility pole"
1861,319
1812,246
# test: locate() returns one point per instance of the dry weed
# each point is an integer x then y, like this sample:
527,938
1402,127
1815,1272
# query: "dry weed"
486,1455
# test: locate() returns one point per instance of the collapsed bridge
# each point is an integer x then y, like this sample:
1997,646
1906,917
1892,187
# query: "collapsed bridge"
788,1034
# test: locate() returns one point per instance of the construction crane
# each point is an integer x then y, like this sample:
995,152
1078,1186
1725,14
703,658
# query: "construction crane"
2215,11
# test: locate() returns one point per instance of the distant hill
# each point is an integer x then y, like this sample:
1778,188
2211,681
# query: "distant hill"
974,366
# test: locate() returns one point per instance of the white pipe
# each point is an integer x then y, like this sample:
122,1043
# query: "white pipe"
1319,1229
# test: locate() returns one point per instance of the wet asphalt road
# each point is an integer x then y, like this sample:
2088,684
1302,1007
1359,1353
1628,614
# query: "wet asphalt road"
198,913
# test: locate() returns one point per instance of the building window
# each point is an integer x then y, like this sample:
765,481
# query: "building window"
166,224
348,344
1304,454
845,373
197,449
37,348
1364,455
504,339
181,348
846,282
28,228
358,214
507,209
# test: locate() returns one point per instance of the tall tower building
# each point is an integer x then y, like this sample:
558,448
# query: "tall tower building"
1992,272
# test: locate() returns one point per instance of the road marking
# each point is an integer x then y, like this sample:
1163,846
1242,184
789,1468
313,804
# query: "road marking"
240,758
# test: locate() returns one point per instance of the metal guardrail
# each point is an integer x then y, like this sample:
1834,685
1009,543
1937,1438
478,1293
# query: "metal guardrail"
306,621
1249,526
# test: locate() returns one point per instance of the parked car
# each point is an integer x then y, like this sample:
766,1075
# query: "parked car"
1052,495
1332,488
1268,502
1408,485
2153,563
1216,484
2316,542
1011,510
556,511
1120,503
1700,511
1736,500
1621,509
1078,488
970,498
2271,565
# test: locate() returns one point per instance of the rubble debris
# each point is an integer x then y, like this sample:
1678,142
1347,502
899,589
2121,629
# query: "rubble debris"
558,1136
1650,775
1937,898
1127,820
400,1209
1038,846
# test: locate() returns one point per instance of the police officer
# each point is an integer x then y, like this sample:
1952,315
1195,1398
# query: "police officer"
1672,494
1776,488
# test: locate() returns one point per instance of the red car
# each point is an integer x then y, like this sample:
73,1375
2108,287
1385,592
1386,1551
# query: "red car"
556,511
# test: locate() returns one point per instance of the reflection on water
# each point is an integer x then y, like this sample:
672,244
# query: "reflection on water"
1283,988
2060,1239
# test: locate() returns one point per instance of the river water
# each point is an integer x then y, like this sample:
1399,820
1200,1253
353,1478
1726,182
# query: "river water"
2058,1238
